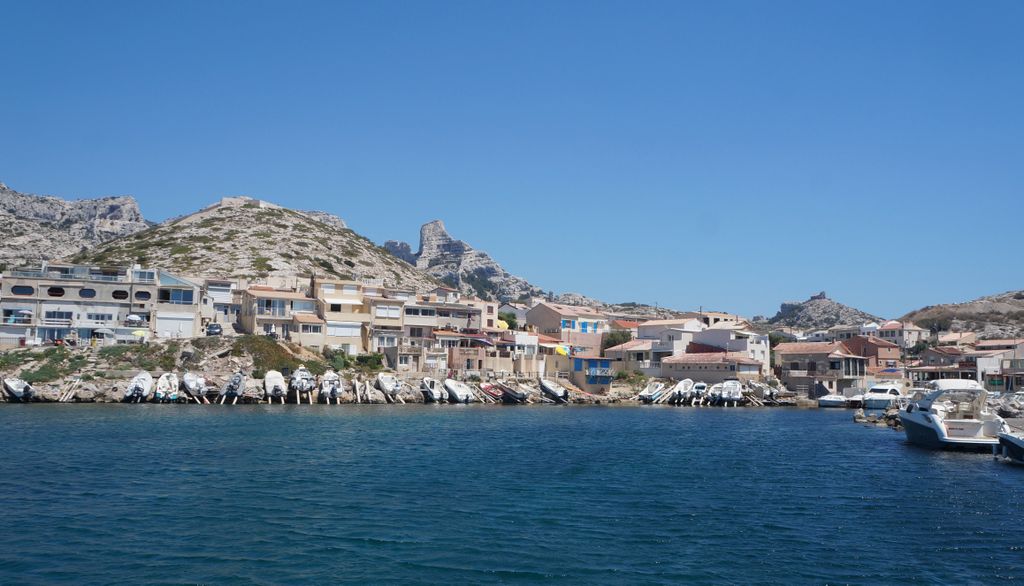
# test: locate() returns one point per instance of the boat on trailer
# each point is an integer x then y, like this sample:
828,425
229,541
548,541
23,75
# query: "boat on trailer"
195,386
19,389
953,415
458,391
302,382
234,389
139,388
652,392
1012,447
331,387
491,390
680,391
732,393
433,391
274,386
389,385
166,388
511,396
554,391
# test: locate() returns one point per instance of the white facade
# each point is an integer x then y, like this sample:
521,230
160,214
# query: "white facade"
755,346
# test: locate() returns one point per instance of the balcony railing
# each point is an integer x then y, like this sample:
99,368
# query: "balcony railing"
18,320
600,372
72,277
54,322
274,312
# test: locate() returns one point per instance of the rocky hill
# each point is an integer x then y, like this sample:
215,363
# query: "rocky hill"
460,265
819,312
244,237
43,227
994,316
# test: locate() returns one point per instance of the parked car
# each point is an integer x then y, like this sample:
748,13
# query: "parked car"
214,330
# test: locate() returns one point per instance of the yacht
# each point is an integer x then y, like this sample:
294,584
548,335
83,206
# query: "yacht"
953,415
882,396
832,400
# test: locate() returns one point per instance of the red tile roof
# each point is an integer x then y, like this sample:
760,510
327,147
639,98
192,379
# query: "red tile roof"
622,323
811,348
710,358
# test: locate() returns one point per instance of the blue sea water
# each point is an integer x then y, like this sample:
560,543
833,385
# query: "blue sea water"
420,494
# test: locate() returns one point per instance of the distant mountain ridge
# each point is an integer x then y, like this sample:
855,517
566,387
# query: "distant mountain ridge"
993,316
819,312
44,227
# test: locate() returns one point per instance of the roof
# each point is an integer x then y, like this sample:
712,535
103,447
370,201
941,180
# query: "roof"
541,338
1004,342
624,323
810,348
948,350
898,325
571,310
641,344
277,293
307,318
956,336
668,322
874,341
710,358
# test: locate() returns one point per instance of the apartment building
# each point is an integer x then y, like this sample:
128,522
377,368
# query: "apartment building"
580,327
345,312
288,314
815,369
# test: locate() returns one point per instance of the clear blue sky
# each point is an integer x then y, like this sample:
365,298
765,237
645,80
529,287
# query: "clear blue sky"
726,154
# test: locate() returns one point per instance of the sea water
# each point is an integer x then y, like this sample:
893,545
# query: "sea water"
474,494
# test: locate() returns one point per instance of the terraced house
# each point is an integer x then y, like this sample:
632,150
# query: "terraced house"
285,313
81,303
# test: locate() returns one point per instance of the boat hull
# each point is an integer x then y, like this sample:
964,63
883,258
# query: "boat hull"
878,403
923,433
1012,447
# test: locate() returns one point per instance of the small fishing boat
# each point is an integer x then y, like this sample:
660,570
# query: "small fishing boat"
832,401
680,392
302,382
331,387
458,391
491,390
953,415
511,396
732,393
554,391
166,388
389,385
274,386
433,391
1012,446
195,386
234,389
882,396
19,389
139,388
651,392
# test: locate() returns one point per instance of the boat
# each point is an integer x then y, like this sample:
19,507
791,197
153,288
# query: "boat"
953,415
139,388
234,389
491,390
715,393
1012,446
166,388
554,391
195,386
882,396
651,392
274,386
699,393
458,391
331,387
302,382
389,385
832,401
433,391
19,389
680,391
732,393
511,396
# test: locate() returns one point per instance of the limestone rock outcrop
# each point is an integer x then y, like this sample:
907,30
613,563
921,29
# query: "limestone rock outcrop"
819,312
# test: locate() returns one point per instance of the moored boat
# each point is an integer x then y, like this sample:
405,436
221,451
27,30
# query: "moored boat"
882,396
389,385
699,393
511,396
274,386
652,392
139,388
732,393
458,391
680,392
433,391
953,415
554,391
195,386
491,390
331,388
302,382
832,401
19,389
166,390
234,389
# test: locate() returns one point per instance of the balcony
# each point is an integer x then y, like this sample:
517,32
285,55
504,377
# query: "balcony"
53,322
56,276
18,320
600,372
273,313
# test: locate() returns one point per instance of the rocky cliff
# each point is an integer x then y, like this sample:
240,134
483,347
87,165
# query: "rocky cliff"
248,238
819,312
994,316
460,265
43,227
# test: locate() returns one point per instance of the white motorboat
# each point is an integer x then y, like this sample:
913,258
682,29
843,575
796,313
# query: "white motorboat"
715,393
139,388
166,388
388,384
433,391
1012,447
234,389
331,387
831,401
19,389
458,391
302,382
732,393
882,396
651,392
274,386
554,391
953,415
680,391
195,386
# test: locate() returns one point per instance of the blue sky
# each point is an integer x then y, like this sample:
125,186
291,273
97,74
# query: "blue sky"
731,155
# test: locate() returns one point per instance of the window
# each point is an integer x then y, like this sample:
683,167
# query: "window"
349,289
119,294
415,332
311,329
57,315
335,307
143,295
835,365
403,360
328,288
812,366
412,311
490,309
87,293
101,317
175,296
490,323
22,290
55,291
303,305
344,330
388,311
